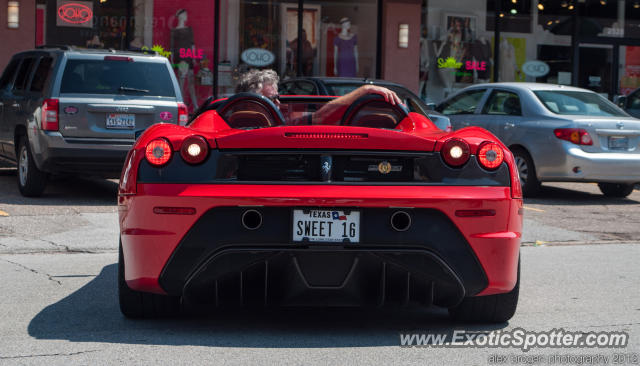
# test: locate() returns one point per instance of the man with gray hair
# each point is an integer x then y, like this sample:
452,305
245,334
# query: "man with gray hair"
265,82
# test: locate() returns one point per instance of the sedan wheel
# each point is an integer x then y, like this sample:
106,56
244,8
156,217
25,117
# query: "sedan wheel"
31,180
618,190
527,172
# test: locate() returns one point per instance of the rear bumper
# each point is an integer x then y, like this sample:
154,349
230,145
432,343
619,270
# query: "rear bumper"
594,167
54,153
209,255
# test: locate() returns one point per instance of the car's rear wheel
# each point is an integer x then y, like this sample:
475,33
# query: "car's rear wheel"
619,190
488,309
31,180
136,304
527,172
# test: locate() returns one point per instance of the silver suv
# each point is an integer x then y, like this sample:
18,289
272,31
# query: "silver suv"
68,110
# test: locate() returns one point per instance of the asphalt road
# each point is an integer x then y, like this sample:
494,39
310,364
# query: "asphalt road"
58,306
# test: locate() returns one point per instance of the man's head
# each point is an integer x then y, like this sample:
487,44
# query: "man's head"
263,82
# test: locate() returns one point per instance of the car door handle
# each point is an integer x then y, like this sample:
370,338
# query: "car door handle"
509,125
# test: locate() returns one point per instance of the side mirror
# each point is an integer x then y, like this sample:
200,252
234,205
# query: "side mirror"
621,101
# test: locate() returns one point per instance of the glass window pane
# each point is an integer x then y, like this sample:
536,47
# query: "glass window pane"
111,77
465,103
23,74
42,74
503,103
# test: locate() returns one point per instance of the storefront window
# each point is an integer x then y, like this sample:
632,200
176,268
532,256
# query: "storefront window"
337,39
515,16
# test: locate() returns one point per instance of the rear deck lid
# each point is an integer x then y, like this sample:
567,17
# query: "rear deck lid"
326,137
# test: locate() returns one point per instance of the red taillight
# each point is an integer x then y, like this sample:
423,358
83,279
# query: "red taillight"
455,152
118,58
490,155
183,114
194,149
578,136
158,152
49,121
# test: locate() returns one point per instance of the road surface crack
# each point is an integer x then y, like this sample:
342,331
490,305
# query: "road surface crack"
34,271
48,355
66,247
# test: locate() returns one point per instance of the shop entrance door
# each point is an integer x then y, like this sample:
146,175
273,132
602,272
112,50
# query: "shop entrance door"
596,68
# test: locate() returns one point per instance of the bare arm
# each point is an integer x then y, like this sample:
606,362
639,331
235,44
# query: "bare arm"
346,100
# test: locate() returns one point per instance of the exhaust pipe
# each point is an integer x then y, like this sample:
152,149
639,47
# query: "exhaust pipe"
251,219
400,221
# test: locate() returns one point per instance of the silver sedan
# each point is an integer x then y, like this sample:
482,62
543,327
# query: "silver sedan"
557,133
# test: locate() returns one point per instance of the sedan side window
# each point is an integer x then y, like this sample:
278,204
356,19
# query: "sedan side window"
465,103
634,101
503,103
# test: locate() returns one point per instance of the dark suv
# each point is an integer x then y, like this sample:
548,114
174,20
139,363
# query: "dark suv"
68,110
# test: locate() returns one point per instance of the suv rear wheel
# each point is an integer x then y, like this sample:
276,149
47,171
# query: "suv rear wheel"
31,180
137,304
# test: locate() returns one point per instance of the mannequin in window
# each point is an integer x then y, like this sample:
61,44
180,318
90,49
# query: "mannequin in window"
181,41
345,51
508,66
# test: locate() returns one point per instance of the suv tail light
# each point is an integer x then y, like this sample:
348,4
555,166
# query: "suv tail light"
455,152
49,121
194,149
578,136
490,155
158,152
183,114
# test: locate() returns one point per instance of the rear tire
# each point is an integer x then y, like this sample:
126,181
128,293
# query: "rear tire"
617,190
488,309
137,304
31,180
527,172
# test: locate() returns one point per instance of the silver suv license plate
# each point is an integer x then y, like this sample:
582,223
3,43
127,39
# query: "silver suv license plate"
118,120
328,225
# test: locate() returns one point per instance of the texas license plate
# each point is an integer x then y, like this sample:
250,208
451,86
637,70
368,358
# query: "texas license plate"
117,120
326,226
618,143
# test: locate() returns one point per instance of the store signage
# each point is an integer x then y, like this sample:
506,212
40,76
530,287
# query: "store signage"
449,63
75,14
257,57
476,65
535,68
159,49
197,54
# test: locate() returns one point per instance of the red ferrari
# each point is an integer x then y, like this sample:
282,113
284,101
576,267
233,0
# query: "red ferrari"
251,204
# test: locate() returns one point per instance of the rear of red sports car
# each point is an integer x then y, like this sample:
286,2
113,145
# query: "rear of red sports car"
255,205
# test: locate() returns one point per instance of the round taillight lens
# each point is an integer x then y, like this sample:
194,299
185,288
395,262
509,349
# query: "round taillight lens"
490,155
158,152
455,152
194,149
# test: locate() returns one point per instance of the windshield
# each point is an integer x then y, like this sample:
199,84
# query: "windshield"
566,102
411,100
117,77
